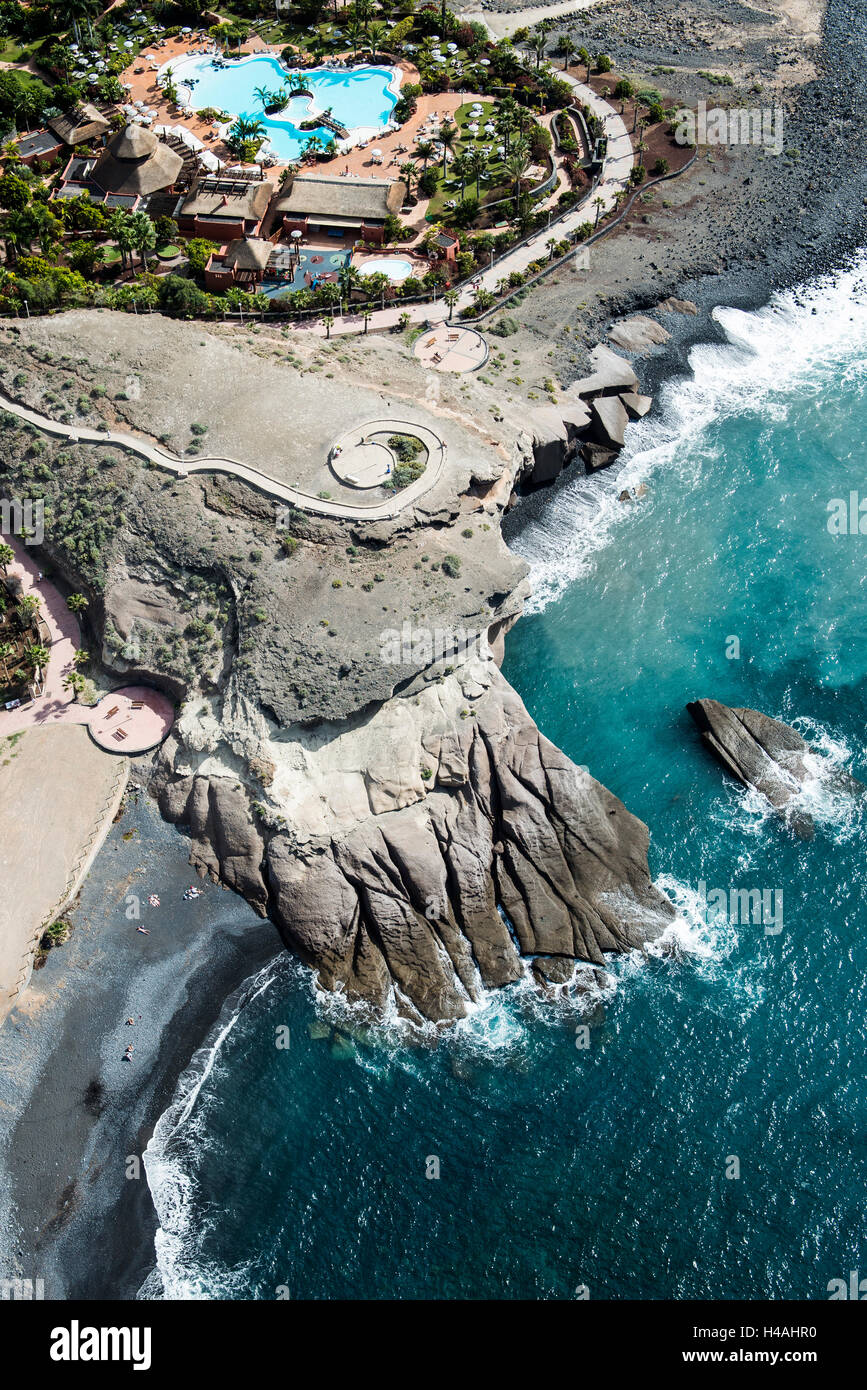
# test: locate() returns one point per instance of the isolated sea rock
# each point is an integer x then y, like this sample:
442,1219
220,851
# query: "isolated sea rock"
760,752
677,306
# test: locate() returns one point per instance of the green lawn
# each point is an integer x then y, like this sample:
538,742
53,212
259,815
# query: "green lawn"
495,183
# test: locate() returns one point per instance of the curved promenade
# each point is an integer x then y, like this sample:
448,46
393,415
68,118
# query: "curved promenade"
344,511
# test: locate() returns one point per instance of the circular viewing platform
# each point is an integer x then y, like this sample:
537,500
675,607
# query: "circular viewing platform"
134,719
365,457
450,348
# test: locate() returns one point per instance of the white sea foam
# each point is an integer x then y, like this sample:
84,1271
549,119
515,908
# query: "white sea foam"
796,342
836,809
180,1274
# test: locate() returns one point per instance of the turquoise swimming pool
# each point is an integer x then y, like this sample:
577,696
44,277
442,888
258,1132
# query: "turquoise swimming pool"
395,267
361,99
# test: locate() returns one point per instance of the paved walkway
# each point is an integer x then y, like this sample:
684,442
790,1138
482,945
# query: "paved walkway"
58,797
499,25
378,511
142,716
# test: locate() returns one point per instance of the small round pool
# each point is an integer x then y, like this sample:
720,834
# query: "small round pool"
395,267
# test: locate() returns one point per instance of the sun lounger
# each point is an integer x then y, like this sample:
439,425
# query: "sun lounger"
138,704
453,337
112,712
119,734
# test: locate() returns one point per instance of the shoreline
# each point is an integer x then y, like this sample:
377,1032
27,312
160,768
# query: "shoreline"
78,1112
186,1018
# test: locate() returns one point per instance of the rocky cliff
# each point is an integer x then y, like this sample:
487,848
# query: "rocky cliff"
347,754
429,852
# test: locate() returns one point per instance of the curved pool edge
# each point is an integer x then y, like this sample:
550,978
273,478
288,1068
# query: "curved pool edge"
191,64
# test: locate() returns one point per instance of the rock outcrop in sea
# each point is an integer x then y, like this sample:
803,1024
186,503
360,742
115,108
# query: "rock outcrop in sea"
760,752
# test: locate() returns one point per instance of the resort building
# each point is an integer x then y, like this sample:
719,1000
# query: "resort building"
133,166
84,123
242,262
225,207
445,247
323,205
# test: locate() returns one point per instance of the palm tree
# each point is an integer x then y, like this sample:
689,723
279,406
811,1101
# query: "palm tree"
409,174
367,316
6,650
7,555
76,603
516,165
328,321
506,122
118,227
567,48
376,37
85,10
142,233
477,164
451,298
586,60
537,45
74,682
28,611
448,139
461,170
262,95
424,151
348,278
355,34
80,657
599,204
37,658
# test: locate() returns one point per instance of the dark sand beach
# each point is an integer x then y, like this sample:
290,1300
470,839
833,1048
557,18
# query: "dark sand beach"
72,1111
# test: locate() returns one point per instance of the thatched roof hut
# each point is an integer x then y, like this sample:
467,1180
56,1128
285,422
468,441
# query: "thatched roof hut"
135,163
86,122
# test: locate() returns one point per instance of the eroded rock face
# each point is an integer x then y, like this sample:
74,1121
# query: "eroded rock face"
505,852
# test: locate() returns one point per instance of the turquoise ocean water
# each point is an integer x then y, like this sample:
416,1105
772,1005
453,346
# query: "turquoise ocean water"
303,1169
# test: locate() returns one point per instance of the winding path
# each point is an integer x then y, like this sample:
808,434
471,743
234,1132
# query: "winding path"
379,511
499,25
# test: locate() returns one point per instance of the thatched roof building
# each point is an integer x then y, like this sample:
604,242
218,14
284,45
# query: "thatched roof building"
86,122
135,163
225,206
323,197
243,262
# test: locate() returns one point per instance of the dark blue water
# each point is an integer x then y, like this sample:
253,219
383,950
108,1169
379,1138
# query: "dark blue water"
711,1142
